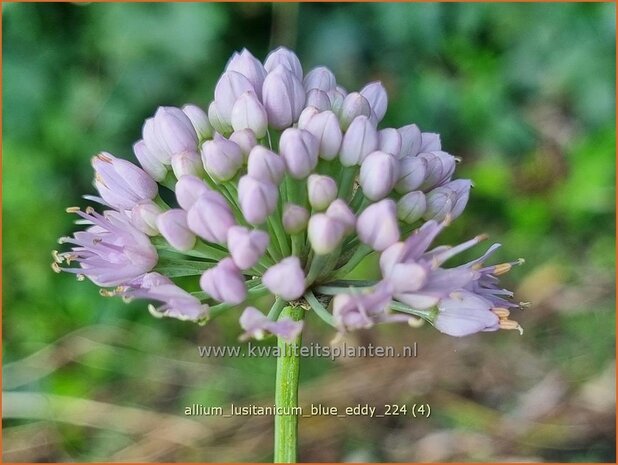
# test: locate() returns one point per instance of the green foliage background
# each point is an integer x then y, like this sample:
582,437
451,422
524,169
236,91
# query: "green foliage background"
524,93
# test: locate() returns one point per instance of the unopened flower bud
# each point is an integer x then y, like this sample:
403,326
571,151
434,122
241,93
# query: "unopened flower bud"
188,189
250,67
322,191
325,127
360,140
412,173
410,140
286,58
411,207
224,282
389,141
285,279
299,149
199,119
144,217
324,233
354,105
283,97
210,217
172,225
375,93
318,99
306,115
377,225
337,96
248,113
230,86
121,183
440,168
430,142
265,165
257,198
340,211
187,163
222,158
216,120
246,246
320,78
245,139
295,218
378,174
171,132
449,199
151,164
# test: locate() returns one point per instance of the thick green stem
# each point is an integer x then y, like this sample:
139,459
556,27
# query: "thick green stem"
286,393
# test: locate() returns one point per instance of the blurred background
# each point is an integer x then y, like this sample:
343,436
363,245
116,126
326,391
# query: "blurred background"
524,93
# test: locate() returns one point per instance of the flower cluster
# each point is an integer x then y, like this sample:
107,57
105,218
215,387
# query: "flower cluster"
281,188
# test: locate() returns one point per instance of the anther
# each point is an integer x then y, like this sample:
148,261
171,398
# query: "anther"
57,258
72,209
510,324
80,277
56,267
502,268
415,322
501,312
101,156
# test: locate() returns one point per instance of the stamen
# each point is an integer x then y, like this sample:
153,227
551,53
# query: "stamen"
56,267
103,157
90,210
501,312
154,312
525,304
80,277
510,324
107,293
415,322
57,258
72,209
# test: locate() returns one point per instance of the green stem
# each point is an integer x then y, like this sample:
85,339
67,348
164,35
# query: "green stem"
286,393
319,309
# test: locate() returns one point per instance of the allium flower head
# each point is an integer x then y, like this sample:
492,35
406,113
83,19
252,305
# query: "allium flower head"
283,183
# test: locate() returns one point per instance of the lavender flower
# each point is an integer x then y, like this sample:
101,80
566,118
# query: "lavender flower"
302,160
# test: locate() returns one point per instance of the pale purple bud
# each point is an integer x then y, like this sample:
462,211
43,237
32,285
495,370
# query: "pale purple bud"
255,323
464,313
430,142
360,140
210,217
375,93
410,140
324,233
222,158
318,99
340,211
283,97
187,163
173,132
245,139
353,106
285,279
411,207
144,217
172,225
440,168
325,127
248,113
121,183
449,199
299,149
216,120
151,164
378,174
337,96
246,246
257,198
230,86
389,141
265,165
377,225
322,191
412,173
306,115
320,78
154,146
295,218
250,67
188,189
199,120
224,282
286,58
